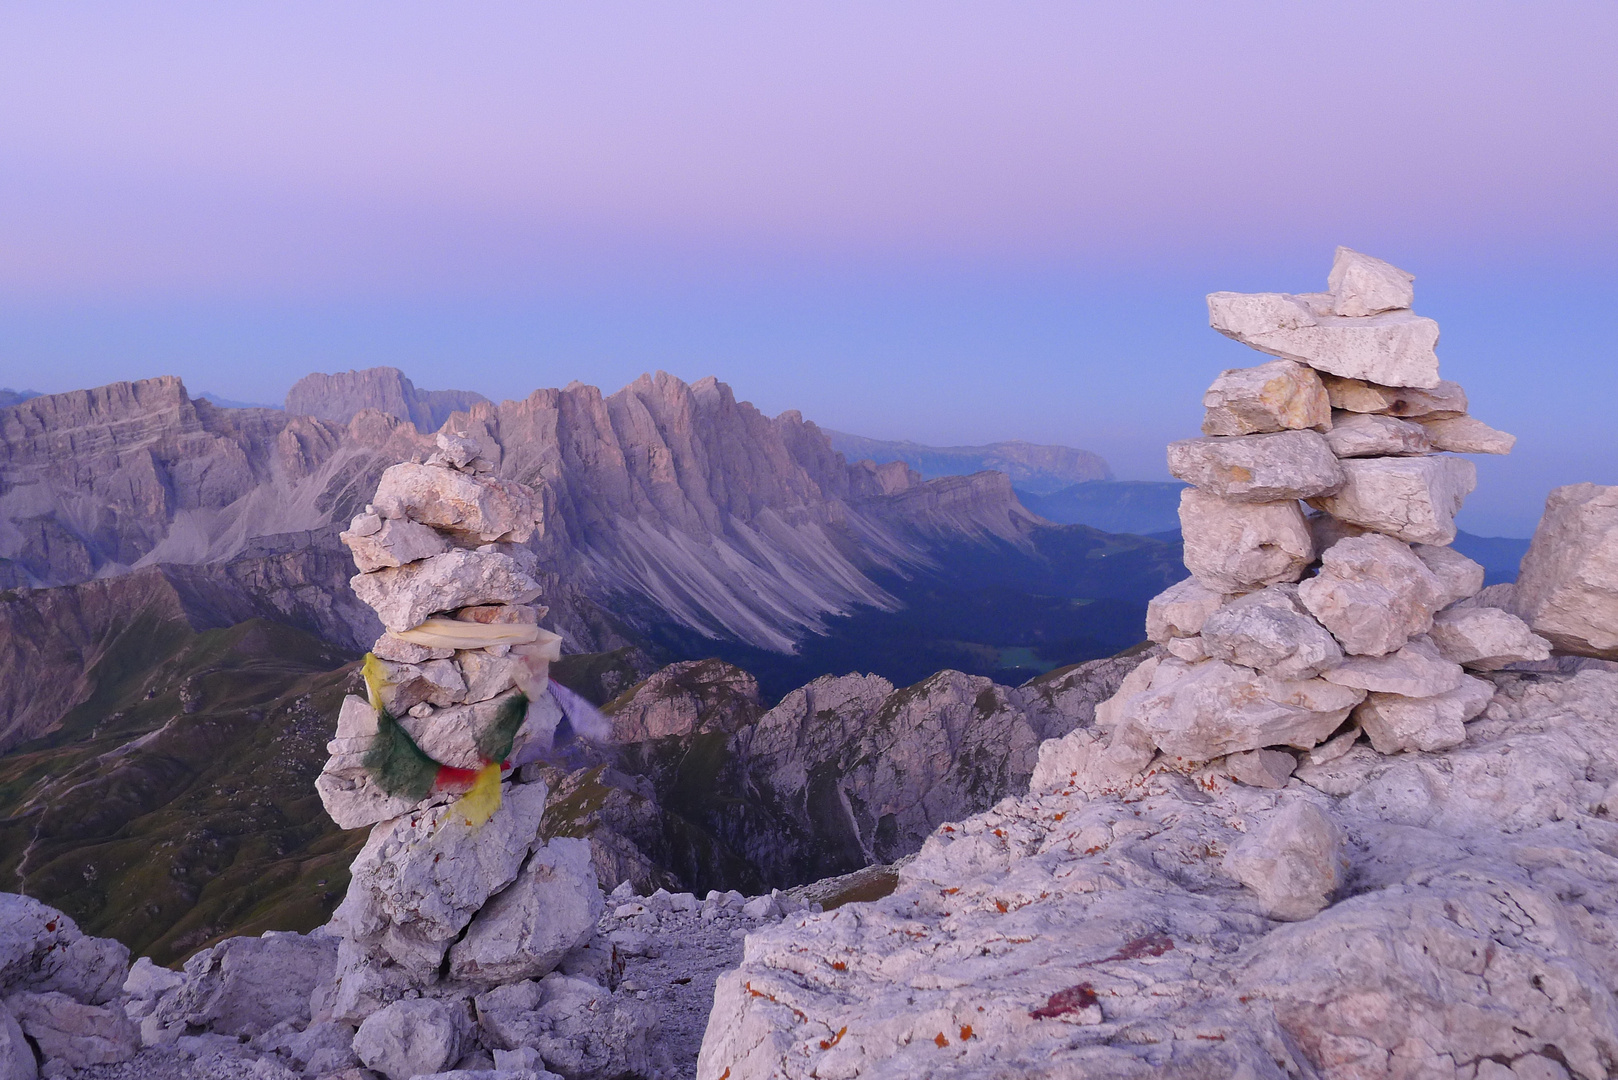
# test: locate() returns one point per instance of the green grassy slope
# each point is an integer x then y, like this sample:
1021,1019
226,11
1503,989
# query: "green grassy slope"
176,805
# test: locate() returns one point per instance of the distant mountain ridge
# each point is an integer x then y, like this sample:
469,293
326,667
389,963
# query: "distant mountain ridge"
342,396
1033,467
13,397
664,503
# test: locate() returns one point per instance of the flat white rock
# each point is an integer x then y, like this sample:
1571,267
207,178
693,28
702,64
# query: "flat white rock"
1465,435
1258,468
1394,722
1355,435
1447,399
1411,498
1417,670
1395,348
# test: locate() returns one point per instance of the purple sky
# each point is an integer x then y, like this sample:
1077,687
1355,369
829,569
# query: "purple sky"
941,221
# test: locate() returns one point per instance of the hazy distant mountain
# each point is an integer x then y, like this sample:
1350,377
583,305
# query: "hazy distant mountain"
1501,556
1031,466
341,396
227,403
1117,506
12,397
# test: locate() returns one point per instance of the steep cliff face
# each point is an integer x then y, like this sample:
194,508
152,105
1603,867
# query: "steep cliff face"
707,789
673,502
344,395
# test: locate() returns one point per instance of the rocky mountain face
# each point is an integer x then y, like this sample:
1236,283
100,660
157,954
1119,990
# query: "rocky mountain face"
707,789
1032,467
662,504
342,396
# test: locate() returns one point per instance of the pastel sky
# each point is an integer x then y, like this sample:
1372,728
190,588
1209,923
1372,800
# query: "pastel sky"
942,221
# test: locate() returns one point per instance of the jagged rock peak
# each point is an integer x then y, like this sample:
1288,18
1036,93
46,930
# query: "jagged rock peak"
387,389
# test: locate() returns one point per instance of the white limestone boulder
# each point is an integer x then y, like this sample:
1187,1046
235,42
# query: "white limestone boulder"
1261,768
1356,435
483,508
1412,498
1373,594
1395,348
1567,590
1364,285
16,1056
44,951
1486,638
414,1037
1294,862
419,879
1204,711
402,596
1234,547
1277,396
1416,670
72,1033
1466,435
1395,723
1189,649
526,930
1447,399
244,986
1460,576
1179,610
436,682
1271,631
579,1028
1258,468
395,648
396,542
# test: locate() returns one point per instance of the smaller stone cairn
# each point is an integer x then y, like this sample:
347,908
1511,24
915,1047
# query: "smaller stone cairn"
442,906
1302,627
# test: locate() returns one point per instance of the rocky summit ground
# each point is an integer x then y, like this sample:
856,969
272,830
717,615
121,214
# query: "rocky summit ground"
1161,926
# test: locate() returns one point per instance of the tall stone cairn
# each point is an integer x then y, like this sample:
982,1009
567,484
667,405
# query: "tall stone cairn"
440,906
1324,601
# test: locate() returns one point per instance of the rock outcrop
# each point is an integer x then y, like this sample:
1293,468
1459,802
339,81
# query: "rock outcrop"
1215,877
1568,587
709,789
342,396
1437,914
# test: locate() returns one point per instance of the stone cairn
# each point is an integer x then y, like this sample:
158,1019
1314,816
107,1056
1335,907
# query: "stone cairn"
1307,630
445,909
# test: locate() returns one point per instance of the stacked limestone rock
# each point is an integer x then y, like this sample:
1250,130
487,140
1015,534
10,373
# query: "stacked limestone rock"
1296,628
442,911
